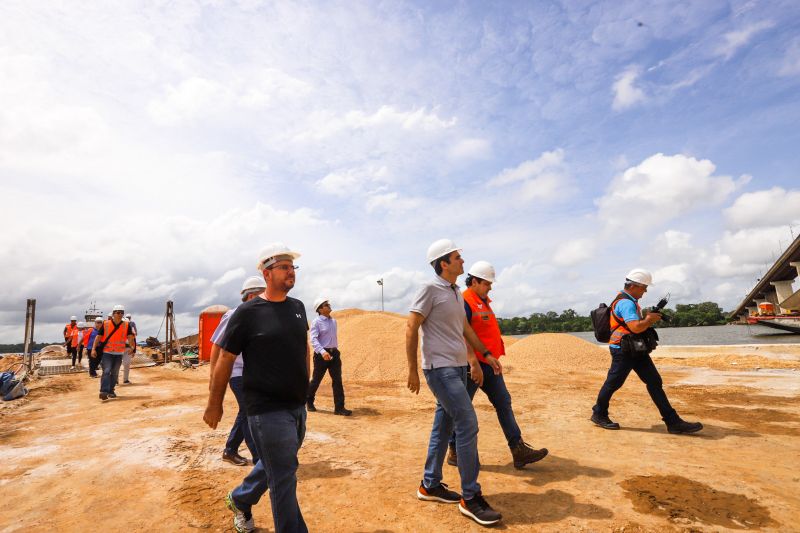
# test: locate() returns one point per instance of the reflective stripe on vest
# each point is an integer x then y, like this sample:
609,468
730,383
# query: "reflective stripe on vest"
115,344
617,329
485,325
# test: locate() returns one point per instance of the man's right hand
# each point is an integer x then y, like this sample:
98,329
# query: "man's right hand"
656,317
413,382
326,356
213,415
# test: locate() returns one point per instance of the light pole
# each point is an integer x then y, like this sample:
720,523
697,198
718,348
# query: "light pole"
380,282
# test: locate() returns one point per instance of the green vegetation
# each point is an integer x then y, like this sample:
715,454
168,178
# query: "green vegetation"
702,314
18,348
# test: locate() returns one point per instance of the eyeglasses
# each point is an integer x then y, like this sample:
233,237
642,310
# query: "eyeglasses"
118,312
285,268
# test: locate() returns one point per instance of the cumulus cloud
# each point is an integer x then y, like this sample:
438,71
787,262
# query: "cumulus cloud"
574,252
734,40
771,207
626,93
544,178
661,188
353,181
473,148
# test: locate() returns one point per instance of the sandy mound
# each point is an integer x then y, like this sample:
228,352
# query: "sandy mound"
373,345
10,362
558,351
348,313
53,351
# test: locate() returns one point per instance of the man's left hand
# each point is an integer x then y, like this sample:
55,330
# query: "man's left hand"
495,364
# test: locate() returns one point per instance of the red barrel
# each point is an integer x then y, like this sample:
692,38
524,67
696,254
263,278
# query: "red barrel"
209,320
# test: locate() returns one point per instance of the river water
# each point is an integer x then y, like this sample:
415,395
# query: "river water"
709,335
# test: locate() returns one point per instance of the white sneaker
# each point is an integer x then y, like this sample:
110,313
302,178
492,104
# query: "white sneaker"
240,523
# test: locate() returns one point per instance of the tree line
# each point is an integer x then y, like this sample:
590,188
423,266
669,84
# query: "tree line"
18,348
684,315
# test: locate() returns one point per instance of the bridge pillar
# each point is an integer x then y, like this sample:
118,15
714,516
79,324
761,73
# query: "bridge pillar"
783,289
796,265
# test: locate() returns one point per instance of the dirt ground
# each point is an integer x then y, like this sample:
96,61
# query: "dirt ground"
146,461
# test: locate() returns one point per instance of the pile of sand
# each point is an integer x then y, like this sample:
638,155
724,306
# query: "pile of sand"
10,362
53,351
558,351
373,345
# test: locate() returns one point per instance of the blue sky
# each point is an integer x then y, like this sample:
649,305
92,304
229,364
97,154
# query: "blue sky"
149,150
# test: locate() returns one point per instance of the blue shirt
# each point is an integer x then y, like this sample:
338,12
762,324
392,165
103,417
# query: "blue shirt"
238,364
92,336
324,334
625,309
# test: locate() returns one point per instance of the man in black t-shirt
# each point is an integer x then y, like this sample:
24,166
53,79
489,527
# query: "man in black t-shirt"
270,331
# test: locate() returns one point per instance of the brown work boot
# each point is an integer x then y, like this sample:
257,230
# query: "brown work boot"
524,454
452,456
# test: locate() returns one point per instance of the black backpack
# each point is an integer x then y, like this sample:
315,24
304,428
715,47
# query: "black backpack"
601,319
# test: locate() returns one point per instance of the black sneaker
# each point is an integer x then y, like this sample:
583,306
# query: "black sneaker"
103,396
343,412
682,427
603,421
310,406
438,494
112,395
479,510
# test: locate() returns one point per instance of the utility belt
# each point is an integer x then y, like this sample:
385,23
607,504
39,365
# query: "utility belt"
638,344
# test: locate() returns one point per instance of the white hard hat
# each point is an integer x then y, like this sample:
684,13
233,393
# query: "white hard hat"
253,282
128,315
98,319
441,248
73,318
272,253
318,302
483,270
118,307
81,324
640,276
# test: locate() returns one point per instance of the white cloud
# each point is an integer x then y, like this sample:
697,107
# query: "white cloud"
473,148
747,251
626,94
353,181
662,188
530,169
574,252
392,202
734,40
230,275
771,207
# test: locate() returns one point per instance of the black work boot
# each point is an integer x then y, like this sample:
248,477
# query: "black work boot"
524,454
310,406
452,456
603,421
682,427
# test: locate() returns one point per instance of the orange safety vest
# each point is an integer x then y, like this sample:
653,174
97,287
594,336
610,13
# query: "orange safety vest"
86,334
485,325
115,344
618,330
71,335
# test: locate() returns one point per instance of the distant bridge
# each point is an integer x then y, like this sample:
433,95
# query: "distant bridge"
776,287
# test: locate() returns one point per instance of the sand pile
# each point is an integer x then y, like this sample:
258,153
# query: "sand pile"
53,351
10,362
558,351
373,345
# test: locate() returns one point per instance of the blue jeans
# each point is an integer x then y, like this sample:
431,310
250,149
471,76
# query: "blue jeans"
278,436
495,389
453,410
621,366
111,363
241,429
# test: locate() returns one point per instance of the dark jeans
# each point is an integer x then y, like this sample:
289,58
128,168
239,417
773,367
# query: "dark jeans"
79,354
495,389
278,436
453,411
72,351
621,366
94,362
111,364
241,429
334,368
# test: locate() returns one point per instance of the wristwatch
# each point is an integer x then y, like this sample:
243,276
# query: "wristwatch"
486,353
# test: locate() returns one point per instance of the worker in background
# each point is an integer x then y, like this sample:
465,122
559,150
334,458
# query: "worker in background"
94,361
327,358
113,337
480,316
71,333
252,287
129,351
438,309
270,332
630,346
83,331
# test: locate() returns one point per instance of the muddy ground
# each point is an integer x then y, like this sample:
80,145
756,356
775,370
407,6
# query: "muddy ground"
146,461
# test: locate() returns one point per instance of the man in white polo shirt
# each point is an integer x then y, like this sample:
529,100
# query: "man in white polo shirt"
252,287
438,309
